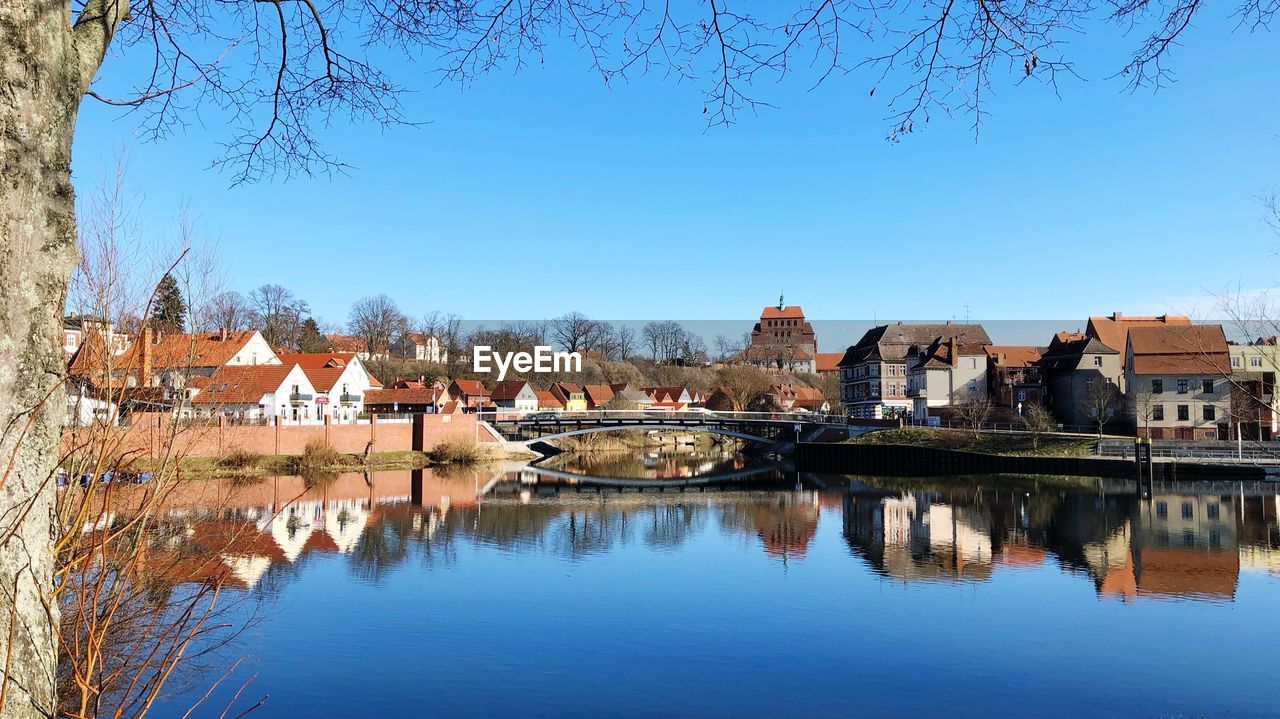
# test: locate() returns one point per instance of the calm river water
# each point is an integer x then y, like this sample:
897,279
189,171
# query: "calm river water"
753,592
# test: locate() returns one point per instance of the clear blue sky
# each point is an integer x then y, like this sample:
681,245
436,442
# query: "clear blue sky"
532,194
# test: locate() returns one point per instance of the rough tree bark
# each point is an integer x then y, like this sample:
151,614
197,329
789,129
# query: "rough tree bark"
46,64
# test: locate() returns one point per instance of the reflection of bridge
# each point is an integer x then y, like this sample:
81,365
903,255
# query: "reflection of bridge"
768,427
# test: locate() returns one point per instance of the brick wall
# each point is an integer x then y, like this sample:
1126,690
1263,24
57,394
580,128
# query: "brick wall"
148,435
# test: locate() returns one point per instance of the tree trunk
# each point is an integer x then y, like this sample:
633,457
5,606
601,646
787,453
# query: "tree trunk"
40,88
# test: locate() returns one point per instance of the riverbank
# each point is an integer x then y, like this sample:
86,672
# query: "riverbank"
1011,444
274,465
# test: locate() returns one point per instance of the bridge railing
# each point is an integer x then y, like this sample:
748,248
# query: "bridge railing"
681,417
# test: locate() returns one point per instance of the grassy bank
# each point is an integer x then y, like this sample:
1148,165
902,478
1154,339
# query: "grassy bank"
988,443
240,465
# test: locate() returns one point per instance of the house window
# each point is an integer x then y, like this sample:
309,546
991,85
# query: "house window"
1209,413
1184,412
1211,510
893,370
1235,361
1022,396
1157,412
1162,510
1097,361
1208,386
1157,386
1188,511
1183,386
1255,361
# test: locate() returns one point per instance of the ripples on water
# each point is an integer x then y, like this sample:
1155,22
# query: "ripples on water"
520,592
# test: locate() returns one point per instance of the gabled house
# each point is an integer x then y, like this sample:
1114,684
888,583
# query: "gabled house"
76,328
515,394
1013,376
1179,381
1113,331
340,380
421,347
827,362
548,401
789,397
873,372
945,373
670,395
170,360
357,346
257,393
570,395
1072,365
597,395
470,393
408,397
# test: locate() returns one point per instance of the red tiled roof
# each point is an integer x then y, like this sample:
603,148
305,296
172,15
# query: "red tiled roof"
181,351
469,388
508,389
402,395
598,395
243,384
827,361
315,360
1177,349
547,400
1013,355
1113,330
790,312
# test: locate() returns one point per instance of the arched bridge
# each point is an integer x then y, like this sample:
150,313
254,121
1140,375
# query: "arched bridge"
766,427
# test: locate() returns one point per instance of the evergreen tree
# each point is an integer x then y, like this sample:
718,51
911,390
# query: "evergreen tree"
310,339
170,311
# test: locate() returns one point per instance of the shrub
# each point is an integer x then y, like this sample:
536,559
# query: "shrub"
239,458
318,455
452,451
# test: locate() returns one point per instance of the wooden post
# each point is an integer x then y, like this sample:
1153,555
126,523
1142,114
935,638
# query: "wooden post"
275,420
373,432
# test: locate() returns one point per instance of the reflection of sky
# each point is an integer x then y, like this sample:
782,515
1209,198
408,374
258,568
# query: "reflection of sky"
713,625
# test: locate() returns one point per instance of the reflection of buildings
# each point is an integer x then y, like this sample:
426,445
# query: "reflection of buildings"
1172,545
917,538
233,531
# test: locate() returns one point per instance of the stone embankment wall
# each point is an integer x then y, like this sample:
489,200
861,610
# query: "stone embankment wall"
153,435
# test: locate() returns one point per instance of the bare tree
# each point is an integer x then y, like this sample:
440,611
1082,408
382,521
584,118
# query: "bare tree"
378,322
1101,401
625,340
278,314
572,331
227,310
1039,421
974,412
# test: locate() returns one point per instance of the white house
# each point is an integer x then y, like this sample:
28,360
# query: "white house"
341,382
422,347
255,393
946,373
515,394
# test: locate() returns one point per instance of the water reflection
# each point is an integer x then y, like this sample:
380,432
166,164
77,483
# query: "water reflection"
1177,544
1183,542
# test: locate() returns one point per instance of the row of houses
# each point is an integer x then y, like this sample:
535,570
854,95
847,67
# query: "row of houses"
521,397
203,375
1163,376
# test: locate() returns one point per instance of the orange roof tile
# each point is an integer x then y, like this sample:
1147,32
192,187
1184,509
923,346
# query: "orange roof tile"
1172,349
1113,331
827,361
790,312
181,351
243,384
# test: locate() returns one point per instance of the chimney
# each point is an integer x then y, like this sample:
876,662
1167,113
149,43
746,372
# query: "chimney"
222,334
1117,316
144,375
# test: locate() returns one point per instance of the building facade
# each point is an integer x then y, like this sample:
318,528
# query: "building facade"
873,373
